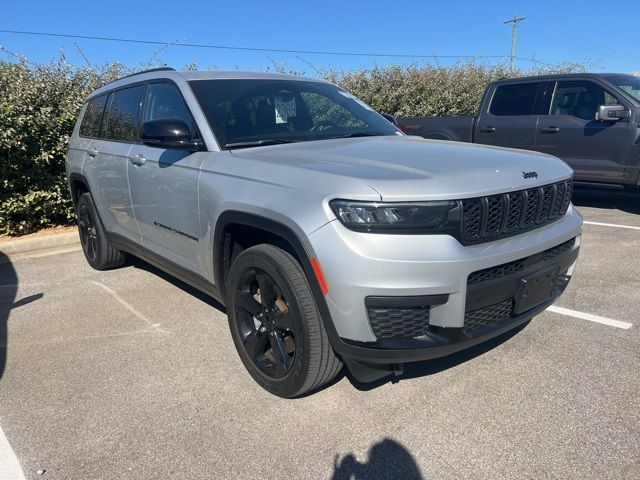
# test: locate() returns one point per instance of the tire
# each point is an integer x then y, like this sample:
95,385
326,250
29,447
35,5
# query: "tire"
95,246
277,328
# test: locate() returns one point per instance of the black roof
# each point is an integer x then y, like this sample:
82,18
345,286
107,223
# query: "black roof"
555,76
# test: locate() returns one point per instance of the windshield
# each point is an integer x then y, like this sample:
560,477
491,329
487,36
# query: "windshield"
244,113
628,83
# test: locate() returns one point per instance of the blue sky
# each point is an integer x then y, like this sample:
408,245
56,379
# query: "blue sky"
553,31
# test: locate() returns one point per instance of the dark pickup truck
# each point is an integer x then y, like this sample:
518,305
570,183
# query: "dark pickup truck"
591,121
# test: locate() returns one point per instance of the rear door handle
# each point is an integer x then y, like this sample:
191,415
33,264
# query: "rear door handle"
137,159
92,152
488,129
550,130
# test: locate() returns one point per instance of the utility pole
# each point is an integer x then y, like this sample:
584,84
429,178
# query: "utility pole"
514,26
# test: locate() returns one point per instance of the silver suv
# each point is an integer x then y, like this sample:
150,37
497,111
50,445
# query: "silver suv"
330,237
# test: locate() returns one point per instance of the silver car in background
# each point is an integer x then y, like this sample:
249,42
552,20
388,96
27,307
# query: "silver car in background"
330,237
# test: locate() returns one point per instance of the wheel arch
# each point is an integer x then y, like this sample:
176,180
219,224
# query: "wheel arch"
249,229
78,185
271,231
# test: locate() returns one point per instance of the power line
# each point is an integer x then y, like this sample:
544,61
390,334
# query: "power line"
585,44
251,49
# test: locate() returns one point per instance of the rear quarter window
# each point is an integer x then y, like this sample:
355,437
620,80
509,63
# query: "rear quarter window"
516,99
92,120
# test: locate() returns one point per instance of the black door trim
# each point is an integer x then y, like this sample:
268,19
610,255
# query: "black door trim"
182,274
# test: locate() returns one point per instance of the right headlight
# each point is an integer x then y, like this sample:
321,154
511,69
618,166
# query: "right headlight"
384,217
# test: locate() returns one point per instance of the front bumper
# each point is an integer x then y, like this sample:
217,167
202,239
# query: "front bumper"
437,343
357,266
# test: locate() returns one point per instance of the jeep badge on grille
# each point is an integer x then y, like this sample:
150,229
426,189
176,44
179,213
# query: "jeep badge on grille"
529,174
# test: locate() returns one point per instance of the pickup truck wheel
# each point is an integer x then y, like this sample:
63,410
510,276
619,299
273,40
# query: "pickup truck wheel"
275,323
99,254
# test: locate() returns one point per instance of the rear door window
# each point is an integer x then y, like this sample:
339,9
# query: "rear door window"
92,120
514,99
124,114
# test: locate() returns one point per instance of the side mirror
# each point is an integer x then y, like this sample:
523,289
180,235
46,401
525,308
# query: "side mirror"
391,118
612,113
170,133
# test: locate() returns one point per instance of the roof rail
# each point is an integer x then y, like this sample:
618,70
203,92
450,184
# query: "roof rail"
159,69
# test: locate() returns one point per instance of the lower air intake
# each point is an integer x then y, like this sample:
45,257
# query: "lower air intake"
399,322
487,316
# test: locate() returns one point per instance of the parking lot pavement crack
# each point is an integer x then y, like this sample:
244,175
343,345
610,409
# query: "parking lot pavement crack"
128,306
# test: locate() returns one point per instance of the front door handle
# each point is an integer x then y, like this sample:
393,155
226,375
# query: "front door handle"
488,129
550,130
137,159
92,152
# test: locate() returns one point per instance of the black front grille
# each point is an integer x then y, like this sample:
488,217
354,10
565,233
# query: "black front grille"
518,265
471,218
399,322
495,216
487,316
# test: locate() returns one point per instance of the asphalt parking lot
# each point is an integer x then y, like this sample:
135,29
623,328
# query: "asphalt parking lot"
129,374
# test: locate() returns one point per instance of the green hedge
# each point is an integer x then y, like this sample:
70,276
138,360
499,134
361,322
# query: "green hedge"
39,105
38,109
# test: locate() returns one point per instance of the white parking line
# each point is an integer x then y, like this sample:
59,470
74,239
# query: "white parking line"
155,326
10,468
611,225
591,318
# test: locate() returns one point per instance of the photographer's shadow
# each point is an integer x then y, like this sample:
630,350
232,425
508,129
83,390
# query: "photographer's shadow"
387,459
8,293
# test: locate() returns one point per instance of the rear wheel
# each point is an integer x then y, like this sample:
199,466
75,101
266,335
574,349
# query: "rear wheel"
276,325
99,254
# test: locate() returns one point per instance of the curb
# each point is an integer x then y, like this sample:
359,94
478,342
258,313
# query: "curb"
40,244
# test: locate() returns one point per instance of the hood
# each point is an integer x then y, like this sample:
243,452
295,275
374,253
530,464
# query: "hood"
404,168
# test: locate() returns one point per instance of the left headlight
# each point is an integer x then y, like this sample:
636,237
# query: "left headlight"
376,216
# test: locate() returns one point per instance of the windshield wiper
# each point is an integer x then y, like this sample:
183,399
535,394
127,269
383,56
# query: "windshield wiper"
360,134
257,143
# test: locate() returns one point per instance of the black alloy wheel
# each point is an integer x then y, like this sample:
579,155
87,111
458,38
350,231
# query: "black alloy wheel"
265,323
93,237
275,323
88,233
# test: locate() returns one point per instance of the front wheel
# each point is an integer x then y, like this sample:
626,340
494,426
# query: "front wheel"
275,323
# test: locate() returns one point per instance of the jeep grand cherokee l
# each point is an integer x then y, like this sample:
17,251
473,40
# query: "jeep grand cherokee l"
331,237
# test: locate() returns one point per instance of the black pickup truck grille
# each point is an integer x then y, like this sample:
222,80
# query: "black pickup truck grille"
496,216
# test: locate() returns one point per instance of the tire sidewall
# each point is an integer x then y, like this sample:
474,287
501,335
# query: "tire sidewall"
85,199
293,382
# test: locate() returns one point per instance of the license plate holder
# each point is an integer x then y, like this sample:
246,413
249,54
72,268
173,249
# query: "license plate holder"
535,289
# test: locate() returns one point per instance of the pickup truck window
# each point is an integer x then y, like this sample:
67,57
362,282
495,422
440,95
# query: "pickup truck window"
580,99
628,83
514,99
245,113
